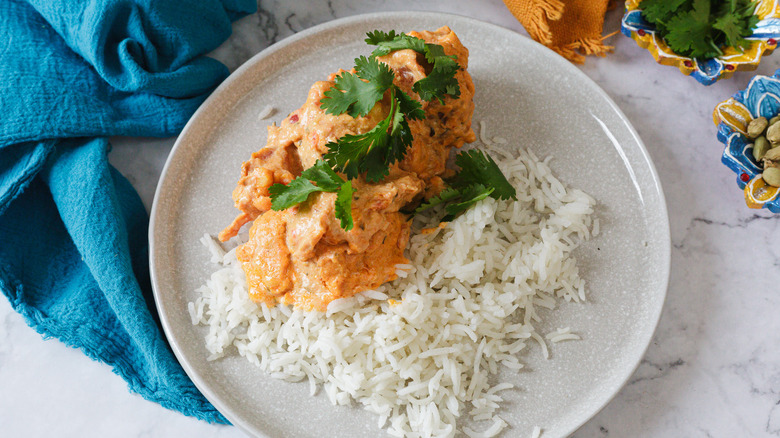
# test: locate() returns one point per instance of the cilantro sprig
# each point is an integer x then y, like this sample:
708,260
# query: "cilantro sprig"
372,152
356,94
701,28
298,191
440,81
478,178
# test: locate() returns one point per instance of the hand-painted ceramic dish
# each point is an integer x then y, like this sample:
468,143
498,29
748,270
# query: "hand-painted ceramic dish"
761,98
526,93
763,41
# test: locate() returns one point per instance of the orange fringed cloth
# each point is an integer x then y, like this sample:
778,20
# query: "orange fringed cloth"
570,27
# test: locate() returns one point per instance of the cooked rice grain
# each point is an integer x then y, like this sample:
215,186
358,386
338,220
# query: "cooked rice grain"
418,350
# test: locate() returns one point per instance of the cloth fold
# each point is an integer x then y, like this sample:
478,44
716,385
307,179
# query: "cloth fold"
73,257
572,28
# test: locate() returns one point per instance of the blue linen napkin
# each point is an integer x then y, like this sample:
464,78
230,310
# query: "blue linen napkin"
73,231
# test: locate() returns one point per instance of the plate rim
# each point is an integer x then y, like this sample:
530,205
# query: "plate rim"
664,251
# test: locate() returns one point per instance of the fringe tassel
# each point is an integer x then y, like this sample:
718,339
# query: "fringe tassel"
587,46
544,11
552,8
593,46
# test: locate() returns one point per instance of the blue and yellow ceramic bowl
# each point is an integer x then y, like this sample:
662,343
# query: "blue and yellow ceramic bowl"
761,98
763,41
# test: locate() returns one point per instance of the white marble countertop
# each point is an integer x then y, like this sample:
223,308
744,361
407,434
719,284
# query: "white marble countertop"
713,368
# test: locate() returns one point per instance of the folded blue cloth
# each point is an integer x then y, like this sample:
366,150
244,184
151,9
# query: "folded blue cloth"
73,231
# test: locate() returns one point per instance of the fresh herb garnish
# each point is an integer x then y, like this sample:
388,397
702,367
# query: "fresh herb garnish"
373,152
476,167
700,28
478,178
389,41
356,93
440,81
298,190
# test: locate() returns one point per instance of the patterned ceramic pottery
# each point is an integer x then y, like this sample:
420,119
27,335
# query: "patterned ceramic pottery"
763,41
761,98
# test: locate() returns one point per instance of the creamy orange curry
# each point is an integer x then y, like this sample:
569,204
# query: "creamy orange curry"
301,255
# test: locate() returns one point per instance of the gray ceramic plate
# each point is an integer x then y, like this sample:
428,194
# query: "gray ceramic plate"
525,93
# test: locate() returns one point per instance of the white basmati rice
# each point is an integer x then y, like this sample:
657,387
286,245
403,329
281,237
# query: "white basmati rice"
562,334
416,351
266,112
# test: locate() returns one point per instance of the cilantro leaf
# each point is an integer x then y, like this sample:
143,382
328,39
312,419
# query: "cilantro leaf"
750,24
737,24
446,195
379,74
410,107
387,150
399,42
689,32
343,207
731,26
299,189
374,151
660,10
347,154
469,196
440,81
476,167
324,176
478,178
356,94
456,201
375,164
345,93
400,139
701,28
377,36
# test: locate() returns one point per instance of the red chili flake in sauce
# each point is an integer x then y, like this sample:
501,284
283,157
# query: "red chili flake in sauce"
294,118
744,177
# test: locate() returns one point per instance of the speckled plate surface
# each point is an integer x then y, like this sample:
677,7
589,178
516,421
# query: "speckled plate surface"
525,93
